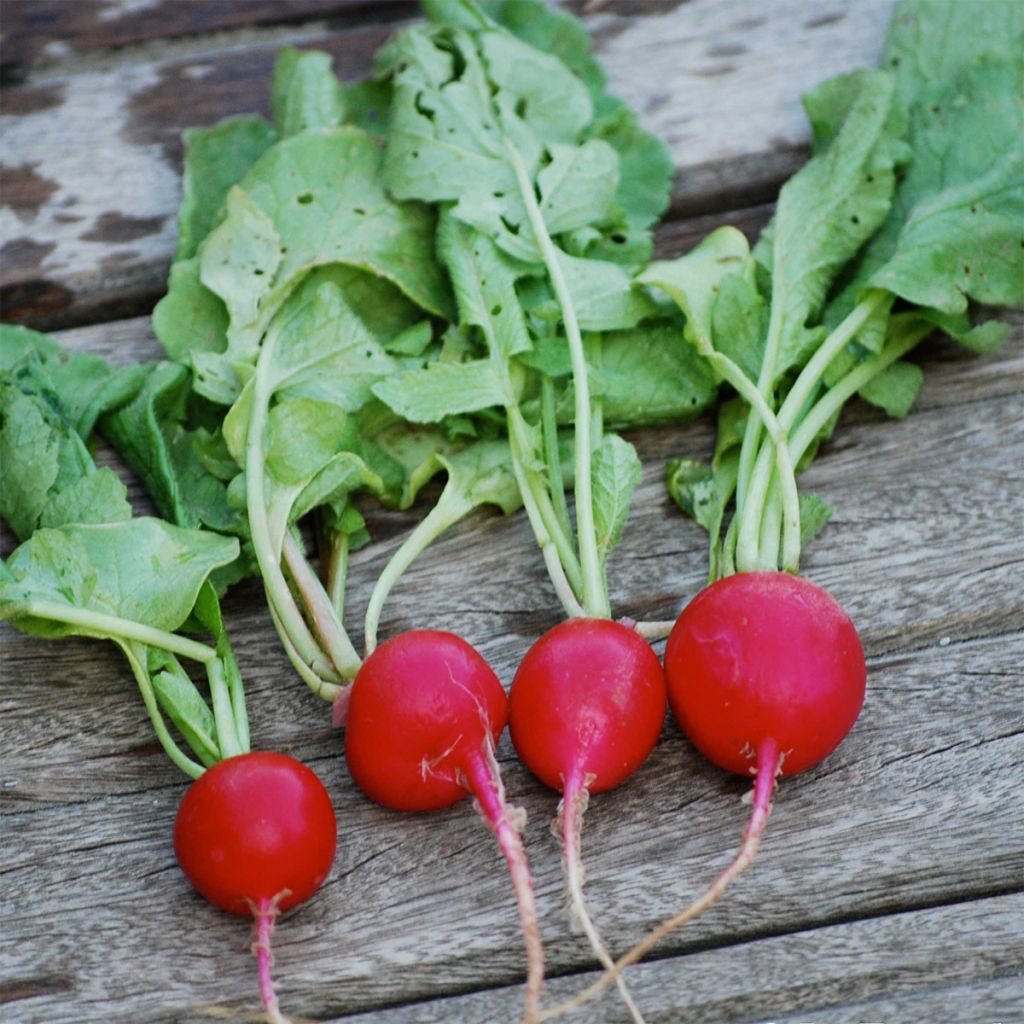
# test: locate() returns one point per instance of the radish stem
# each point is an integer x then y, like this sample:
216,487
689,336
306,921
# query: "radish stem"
768,764
451,506
595,600
574,805
137,660
337,571
486,785
119,628
328,629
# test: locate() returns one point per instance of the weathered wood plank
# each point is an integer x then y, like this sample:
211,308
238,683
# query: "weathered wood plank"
87,238
46,32
961,963
918,807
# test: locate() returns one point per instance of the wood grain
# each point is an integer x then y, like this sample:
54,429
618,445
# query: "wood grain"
87,227
42,34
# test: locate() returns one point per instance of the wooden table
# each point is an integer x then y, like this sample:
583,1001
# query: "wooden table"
890,883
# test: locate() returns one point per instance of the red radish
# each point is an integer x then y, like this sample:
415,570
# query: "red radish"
424,716
766,676
256,834
587,706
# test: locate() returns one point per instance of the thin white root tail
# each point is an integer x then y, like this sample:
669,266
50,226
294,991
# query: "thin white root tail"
768,763
570,813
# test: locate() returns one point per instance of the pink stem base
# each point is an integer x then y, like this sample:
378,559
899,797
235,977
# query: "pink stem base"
764,786
485,783
264,918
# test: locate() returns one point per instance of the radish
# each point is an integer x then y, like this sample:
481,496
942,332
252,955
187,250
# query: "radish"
256,834
586,708
766,676
424,715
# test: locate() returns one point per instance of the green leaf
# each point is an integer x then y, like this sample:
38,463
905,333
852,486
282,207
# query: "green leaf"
151,435
604,295
696,282
650,376
305,93
99,497
184,705
578,186
484,282
190,320
814,514
616,472
691,484
830,207
895,388
144,570
443,389
963,197
29,459
215,159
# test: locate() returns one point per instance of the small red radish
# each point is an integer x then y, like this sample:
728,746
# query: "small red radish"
586,708
766,676
256,834
425,713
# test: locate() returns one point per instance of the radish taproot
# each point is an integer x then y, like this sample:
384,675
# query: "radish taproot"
424,715
256,834
586,707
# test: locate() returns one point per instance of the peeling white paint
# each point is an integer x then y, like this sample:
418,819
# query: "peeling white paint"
113,10
79,146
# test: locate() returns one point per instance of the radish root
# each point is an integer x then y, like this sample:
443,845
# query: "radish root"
570,814
505,821
264,918
768,762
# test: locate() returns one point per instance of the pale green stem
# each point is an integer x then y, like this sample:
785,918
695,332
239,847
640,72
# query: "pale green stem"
450,508
755,494
302,649
337,573
746,555
549,426
329,631
223,716
311,674
115,626
530,490
836,397
654,630
236,691
765,381
595,598
769,541
137,661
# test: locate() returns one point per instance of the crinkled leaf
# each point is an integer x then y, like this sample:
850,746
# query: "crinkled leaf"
215,159
616,472
443,389
98,497
830,207
484,282
305,92
144,569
